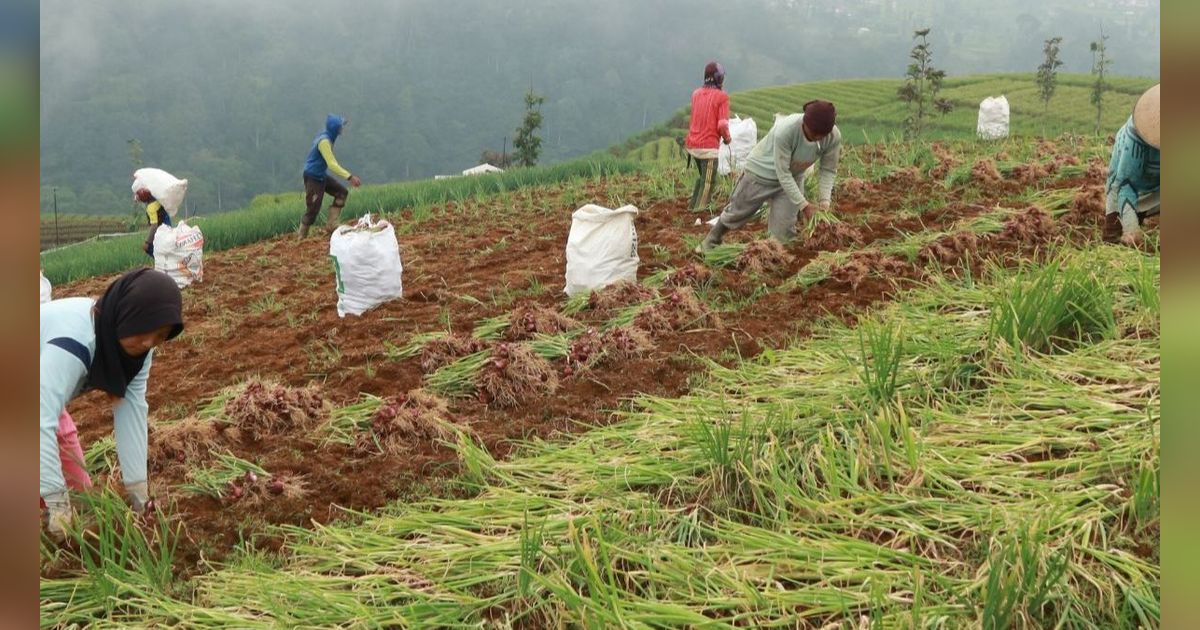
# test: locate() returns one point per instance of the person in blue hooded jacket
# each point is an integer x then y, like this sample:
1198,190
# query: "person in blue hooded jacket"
106,344
317,182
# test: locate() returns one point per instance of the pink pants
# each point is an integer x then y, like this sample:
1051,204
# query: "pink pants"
70,452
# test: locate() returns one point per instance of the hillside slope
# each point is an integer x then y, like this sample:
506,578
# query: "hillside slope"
868,110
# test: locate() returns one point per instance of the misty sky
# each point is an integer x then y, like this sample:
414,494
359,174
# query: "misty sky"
236,90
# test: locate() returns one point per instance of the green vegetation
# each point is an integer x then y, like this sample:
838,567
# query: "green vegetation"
916,469
868,111
272,215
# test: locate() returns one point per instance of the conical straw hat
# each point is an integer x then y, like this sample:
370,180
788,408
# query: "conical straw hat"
1146,116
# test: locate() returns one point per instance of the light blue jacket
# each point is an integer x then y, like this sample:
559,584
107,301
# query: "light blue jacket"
68,343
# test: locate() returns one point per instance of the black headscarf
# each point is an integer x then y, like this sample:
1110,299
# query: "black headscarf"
137,302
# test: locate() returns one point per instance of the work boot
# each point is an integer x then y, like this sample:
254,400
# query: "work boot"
301,231
713,239
331,222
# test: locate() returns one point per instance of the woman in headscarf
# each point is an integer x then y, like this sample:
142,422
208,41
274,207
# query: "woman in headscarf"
709,125
69,451
106,344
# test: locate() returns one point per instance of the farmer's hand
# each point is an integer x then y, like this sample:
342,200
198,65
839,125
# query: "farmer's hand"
139,495
809,211
1133,238
58,512
355,181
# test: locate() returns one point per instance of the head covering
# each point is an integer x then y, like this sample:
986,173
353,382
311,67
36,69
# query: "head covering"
819,116
1146,117
714,74
333,126
143,195
138,302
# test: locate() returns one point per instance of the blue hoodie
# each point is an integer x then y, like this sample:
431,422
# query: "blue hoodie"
315,166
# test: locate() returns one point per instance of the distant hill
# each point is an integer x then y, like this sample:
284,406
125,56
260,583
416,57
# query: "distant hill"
868,110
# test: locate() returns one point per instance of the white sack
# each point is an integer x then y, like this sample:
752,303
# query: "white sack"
45,287
743,134
366,263
166,188
179,253
993,118
601,248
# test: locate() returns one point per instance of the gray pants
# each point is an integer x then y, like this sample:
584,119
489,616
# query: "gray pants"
749,195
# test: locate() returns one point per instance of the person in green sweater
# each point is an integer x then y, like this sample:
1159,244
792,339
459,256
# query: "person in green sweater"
775,171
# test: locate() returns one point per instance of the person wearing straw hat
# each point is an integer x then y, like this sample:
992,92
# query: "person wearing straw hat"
1132,190
709,126
775,172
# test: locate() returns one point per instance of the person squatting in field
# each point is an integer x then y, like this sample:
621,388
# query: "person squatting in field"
106,344
317,165
156,214
1132,189
708,127
775,172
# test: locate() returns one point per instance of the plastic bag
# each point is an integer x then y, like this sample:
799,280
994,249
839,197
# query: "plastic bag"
993,118
743,135
179,253
366,264
166,188
601,248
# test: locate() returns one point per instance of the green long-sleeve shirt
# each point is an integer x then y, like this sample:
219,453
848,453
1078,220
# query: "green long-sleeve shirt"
784,154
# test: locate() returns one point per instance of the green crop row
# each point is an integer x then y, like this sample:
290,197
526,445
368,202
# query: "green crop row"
272,215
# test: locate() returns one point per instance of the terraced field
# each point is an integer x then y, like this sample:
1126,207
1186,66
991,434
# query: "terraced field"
868,111
938,408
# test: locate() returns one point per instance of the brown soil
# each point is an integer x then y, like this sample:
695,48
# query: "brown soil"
230,336
866,263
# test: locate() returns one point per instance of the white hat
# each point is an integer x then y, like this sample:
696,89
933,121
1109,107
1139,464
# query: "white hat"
1146,116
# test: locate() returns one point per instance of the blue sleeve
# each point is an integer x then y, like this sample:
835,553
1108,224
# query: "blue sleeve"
129,426
61,372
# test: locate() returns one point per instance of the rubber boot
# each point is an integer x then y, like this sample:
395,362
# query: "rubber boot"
301,231
713,239
331,222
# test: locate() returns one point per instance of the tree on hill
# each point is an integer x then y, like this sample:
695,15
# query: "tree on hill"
1100,64
920,89
527,144
1047,73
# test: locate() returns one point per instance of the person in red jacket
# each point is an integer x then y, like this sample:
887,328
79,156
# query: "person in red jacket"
709,126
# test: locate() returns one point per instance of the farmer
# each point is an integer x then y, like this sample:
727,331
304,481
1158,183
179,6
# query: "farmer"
775,172
1132,191
156,214
709,126
104,344
316,177
69,451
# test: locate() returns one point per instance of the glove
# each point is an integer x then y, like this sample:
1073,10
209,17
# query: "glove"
58,512
139,495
